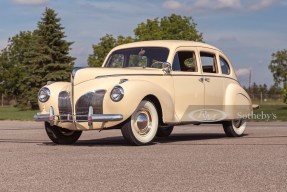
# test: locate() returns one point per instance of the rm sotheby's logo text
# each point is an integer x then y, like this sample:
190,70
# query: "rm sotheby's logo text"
215,115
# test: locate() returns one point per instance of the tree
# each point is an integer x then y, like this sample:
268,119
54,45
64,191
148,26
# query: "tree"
274,90
3,72
278,66
54,48
263,89
254,89
33,58
103,48
48,59
12,69
173,27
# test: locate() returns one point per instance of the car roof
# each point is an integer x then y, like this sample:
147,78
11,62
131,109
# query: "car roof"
166,43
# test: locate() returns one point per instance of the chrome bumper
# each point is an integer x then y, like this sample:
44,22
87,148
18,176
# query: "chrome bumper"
51,117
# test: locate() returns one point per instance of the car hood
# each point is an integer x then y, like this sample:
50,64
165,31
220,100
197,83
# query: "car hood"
86,74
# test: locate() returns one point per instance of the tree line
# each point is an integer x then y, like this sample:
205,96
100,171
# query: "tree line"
173,27
262,91
32,58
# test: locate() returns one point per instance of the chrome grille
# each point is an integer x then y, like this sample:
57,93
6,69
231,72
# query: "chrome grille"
65,105
94,99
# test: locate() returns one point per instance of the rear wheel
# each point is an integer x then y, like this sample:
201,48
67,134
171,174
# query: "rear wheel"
164,131
143,124
234,128
62,136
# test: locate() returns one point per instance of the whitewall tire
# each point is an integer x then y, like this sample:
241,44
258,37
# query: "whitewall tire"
234,128
143,124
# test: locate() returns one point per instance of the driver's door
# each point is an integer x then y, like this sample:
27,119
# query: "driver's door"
188,83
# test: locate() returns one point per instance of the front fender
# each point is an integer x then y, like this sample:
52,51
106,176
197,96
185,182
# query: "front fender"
134,92
55,89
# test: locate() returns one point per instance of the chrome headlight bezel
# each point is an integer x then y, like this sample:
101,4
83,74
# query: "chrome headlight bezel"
117,93
44,94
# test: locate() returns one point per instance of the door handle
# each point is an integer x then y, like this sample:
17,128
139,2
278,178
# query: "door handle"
207,79
201,79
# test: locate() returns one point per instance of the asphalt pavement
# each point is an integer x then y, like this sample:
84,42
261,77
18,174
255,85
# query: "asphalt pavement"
193,158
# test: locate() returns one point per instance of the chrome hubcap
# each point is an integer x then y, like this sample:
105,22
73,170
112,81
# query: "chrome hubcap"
143,122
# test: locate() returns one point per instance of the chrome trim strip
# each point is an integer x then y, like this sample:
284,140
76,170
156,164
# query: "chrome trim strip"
196,75
119,75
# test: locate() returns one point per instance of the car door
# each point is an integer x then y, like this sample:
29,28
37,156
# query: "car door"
188,84
213,84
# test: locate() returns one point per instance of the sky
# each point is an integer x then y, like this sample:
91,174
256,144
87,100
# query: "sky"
247,31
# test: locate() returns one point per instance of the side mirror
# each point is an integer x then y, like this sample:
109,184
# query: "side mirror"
166,67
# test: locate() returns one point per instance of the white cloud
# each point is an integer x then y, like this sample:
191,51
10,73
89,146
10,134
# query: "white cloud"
172,4
262,4
242,72
217,4
30,2
203,5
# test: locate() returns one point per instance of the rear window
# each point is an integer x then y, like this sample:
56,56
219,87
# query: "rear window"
225,69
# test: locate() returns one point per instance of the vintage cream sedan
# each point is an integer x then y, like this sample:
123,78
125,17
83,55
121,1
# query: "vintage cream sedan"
145,89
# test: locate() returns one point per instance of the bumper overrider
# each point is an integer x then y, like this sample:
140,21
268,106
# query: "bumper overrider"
64,118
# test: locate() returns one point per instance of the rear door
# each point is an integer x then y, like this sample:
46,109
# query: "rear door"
213,84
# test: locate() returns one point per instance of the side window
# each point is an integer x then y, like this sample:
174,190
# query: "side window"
185,61
208,62
224,66
116,61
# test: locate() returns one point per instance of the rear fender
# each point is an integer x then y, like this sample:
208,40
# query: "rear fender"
237,103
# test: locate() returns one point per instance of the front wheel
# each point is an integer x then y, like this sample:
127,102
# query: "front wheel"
62,136
143,124
234,128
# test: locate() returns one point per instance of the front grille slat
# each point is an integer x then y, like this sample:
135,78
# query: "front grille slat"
65,105
94,99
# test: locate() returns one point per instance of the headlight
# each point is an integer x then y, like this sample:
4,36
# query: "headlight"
117,93
44,94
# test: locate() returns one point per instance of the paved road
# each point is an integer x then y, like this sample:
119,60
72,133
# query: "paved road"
193,158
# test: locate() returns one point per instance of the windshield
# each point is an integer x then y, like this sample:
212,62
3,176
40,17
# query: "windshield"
137,57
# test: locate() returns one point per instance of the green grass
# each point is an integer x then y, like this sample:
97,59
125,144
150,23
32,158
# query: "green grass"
269,102
12,113
276,113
